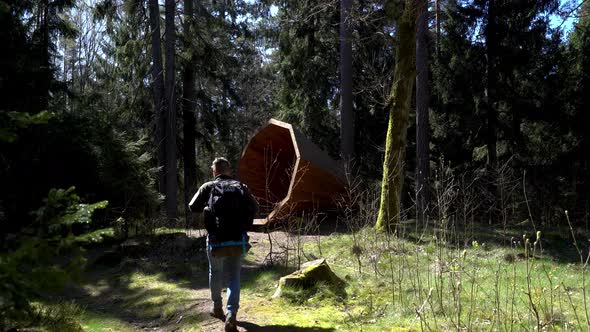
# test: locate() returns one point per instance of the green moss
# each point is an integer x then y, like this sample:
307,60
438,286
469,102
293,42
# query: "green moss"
397,278
399,110
100,322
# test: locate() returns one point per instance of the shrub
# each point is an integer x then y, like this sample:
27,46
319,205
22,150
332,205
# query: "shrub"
81,150
45,255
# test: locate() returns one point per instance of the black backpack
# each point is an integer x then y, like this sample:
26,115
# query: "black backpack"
228,204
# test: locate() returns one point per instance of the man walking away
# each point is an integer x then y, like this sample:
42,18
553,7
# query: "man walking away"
229,210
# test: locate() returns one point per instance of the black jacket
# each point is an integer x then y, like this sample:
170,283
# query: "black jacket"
201,199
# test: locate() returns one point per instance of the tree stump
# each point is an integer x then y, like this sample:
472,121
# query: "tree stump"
309,275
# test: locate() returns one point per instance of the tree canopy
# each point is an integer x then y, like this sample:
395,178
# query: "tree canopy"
507,84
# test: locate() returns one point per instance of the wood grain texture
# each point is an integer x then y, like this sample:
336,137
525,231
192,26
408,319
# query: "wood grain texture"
288,174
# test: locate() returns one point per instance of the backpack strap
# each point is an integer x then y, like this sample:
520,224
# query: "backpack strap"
215,187
242,243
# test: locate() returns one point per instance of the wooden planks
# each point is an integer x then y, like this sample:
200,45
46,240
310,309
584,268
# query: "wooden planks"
288,174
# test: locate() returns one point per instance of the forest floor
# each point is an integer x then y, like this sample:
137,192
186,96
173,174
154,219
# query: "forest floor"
160,283
434,279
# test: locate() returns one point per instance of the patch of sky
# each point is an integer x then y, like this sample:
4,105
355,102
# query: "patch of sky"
565,18
565,24
266,51
274,9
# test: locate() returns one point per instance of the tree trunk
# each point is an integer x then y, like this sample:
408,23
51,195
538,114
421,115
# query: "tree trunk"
45,63
346,111
399,108
437,22
171,170
188,115
490,93
158,91
422,104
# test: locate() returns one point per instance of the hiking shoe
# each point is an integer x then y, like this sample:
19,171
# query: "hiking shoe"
217,313
231,325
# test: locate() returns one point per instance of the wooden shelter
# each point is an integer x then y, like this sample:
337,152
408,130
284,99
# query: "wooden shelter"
288,174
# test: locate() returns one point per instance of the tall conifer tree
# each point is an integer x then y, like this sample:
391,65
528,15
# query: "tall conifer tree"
158,93
346,106
422,104
171,130
188,115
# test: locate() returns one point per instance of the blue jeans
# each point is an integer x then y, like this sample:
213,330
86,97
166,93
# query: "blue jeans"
231,266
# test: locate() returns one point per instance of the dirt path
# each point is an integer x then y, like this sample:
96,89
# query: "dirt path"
248,318
177,261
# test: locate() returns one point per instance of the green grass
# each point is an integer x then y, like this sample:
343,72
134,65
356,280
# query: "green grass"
399,286
147,299
475,288
97,322
55,316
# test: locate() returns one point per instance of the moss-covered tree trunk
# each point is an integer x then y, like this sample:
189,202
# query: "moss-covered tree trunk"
399,109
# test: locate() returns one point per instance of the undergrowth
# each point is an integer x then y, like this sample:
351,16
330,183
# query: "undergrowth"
392,284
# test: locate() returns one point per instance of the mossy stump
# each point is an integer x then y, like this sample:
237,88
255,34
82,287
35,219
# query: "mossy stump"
309,275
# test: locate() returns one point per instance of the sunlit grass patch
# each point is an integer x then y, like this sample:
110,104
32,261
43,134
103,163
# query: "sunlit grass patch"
56,316
283,312
263,281
392,284
150,296
441,285
102,322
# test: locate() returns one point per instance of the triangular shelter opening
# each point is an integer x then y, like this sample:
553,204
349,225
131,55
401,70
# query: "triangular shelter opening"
288,174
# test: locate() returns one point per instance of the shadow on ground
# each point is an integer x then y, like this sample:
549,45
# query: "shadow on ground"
323,224
557,243
251,327
119,283
113,286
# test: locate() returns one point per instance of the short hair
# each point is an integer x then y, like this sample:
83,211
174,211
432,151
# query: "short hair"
221,165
